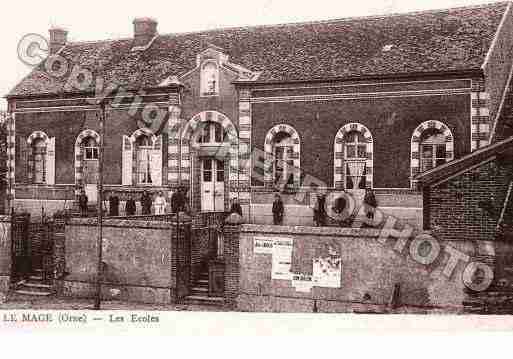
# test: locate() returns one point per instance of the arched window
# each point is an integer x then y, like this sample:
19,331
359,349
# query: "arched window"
211,133
432,144
209,78
144,149
432,149
353,157
39,160
282,156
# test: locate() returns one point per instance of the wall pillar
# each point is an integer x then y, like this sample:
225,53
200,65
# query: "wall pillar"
181,249
244,156
231,258
11,155
479,116
173,142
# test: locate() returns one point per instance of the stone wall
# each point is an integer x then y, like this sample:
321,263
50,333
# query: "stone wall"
5,253
141,260
378,272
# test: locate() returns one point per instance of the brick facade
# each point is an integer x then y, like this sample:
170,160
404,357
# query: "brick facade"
391,121
468,205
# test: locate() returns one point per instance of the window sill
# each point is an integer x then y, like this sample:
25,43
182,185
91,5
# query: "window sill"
210,94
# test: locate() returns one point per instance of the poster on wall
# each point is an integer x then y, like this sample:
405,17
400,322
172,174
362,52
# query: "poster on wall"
282,258
327,271
263,245
302,282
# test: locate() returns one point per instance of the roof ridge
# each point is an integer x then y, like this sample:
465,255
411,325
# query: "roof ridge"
311,22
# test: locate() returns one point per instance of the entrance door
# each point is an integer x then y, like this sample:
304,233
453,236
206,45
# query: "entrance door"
212,185
90,169
90,180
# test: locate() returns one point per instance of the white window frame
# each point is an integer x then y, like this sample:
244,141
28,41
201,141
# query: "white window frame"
212,127
93,150
42,160
144,177
439,141
347,159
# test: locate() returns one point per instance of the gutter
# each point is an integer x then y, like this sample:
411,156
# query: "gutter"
62,95
401,75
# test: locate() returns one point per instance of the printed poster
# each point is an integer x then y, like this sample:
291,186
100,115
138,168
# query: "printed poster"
282,258
263,245
327,272
302,282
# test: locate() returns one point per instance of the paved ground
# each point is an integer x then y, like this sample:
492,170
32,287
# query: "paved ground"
53,303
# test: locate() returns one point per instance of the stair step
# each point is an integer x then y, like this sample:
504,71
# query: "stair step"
37,285
203,299
36,277
199,289
202,281
32,293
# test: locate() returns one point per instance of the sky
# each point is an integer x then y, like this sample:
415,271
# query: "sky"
104,19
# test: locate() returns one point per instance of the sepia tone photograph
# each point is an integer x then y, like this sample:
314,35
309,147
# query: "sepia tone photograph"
275,157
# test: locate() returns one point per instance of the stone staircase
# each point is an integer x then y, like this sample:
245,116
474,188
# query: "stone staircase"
34,286
199,292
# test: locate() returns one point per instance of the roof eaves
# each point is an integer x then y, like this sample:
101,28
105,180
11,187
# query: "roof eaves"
399,75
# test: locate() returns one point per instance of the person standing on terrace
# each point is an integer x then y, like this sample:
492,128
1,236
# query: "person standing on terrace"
160,204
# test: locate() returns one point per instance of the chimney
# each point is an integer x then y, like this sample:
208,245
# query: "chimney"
58,38
145,29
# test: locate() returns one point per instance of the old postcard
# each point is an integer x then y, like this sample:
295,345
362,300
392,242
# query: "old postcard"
228,159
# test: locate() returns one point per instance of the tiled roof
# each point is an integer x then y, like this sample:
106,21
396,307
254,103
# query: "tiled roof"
431,41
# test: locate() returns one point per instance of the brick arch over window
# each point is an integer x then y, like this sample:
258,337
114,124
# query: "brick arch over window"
339,168
37,135
268,149
144,132
79,156
415,144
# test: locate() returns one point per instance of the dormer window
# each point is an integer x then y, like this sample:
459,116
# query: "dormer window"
209,79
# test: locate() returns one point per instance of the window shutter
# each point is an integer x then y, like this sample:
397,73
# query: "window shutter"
156,162
127,162
50,161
